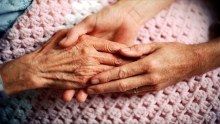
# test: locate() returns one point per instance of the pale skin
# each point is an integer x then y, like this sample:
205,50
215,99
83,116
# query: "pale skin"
119,23
55,67
159,64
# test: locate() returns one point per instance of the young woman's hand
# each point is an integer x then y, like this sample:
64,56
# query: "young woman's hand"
55,67
159,65
112,23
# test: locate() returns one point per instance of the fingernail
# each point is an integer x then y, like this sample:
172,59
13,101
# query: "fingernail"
95,81
91,91
126,50
62,42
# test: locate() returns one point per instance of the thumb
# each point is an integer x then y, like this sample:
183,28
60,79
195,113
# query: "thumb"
138,50
83,27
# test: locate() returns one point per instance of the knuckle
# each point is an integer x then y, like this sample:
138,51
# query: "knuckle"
122,73
151,65
122,87
83,80
104,78
144,66
32,79
85,51
155,79
108,47
118,61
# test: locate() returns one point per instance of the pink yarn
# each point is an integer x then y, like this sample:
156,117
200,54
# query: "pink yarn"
194,100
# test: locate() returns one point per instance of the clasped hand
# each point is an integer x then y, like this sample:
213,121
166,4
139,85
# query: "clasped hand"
53,66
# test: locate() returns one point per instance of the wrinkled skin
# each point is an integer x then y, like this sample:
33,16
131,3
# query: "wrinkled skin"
101,25
55,67
159,65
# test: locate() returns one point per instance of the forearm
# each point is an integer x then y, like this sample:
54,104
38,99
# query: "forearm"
210,53
143,10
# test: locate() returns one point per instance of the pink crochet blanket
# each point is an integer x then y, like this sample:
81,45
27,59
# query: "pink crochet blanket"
194,100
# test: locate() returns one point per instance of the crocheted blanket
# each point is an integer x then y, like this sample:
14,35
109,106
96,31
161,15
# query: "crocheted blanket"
194,100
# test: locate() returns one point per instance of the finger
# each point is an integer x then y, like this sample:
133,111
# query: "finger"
103,45
68,95
61,84
123,71
81,96
138,50
120,85
149,88
83,27
53,42
56,78
110,59
141,90
101,68
80,76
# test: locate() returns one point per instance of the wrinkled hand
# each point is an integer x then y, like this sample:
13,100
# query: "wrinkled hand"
111,23
160,65
55,67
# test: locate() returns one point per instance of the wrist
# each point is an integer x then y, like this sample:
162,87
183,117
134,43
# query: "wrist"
1,83
129,7
3,94
14,75
143,10
210,55
4,77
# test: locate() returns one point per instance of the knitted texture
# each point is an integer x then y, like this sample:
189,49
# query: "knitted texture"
194,100
10,10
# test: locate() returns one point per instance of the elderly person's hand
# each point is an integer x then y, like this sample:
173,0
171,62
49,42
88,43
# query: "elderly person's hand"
55,67
160,65
119,22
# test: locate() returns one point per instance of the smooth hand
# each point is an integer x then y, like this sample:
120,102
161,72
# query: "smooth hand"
159,65
111,23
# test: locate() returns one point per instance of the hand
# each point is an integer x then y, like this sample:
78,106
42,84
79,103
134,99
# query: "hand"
112,23
124,30
55,67
119,23
160,65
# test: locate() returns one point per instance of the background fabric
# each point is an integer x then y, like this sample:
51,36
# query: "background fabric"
194,100
9,11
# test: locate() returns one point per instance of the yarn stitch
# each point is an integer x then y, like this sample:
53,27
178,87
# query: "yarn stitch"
194,100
